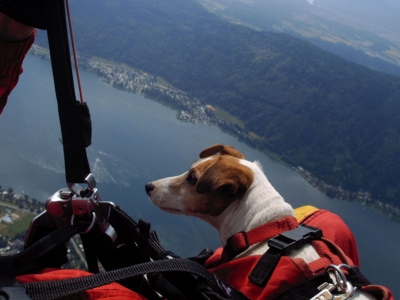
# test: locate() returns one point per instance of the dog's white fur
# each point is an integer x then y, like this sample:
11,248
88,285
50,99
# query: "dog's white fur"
229,209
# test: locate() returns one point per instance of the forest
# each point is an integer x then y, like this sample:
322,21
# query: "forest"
338,120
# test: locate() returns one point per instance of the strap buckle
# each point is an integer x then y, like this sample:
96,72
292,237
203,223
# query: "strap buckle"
295,238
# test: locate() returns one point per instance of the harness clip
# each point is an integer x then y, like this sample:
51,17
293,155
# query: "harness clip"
343,288
295,238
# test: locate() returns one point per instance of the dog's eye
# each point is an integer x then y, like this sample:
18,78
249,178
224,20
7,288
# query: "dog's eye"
192,179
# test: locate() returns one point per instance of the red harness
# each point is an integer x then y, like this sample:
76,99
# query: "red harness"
241,241
289,271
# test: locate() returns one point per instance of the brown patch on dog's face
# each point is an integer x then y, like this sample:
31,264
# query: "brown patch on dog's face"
208,188
225,181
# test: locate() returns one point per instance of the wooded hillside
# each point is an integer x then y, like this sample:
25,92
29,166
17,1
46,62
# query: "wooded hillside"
339,120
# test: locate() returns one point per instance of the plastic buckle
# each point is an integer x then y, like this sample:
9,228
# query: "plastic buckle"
229,248
295,238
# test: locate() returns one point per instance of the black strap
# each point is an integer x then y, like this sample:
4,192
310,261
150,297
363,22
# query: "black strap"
14,293
280,245
264,268
139,235
60,288
309,289
37,256
357,278
74,116
190,279
306,290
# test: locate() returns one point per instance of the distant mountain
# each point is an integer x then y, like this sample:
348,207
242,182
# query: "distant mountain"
339,120
362,31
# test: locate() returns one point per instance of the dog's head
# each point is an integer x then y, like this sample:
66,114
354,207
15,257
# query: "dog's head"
208,187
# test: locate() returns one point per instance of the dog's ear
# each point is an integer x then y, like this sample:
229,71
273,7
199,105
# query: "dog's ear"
222,150
225,178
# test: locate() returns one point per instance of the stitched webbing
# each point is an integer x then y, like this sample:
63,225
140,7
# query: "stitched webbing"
242,240
29,260
60,288
280,245
75,132
307,289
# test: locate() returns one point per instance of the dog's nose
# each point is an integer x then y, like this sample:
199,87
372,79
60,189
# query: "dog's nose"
149,187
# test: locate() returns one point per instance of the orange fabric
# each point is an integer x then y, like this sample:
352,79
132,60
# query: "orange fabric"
113,291
303,212
12,56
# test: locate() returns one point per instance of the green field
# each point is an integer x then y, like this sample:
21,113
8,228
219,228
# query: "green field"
20,224
222,114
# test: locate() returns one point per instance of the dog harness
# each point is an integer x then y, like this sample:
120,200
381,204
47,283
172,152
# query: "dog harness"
274,275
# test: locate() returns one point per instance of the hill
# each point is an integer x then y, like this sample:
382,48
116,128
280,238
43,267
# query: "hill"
336,119
361,31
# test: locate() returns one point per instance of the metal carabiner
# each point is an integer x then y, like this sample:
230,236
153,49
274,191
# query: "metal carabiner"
339,275
90,226
342,284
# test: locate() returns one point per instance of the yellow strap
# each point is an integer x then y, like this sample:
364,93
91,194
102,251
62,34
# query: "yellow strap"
303,212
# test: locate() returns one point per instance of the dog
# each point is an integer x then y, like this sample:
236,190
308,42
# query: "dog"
230,193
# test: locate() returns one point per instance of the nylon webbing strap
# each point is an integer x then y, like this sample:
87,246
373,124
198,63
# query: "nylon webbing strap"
14,292
306,290
60,288
139,234
29,260
74,116
263,270
280,245
357,278
130,232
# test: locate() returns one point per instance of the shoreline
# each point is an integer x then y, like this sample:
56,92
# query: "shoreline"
190,109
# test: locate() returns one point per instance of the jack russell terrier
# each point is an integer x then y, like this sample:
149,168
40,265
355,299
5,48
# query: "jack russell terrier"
230,193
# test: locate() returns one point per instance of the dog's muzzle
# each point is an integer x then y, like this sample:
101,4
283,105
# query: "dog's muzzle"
149,187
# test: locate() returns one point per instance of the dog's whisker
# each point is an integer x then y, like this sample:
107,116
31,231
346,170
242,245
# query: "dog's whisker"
159,199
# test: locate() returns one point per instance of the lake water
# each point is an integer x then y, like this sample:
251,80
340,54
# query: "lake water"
136,140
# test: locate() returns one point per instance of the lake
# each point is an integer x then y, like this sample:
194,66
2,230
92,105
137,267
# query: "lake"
137,140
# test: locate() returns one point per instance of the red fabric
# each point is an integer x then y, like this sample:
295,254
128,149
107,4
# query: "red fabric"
378,291
293,271
236,272
335,230
242,240
12,56
288,272
113,291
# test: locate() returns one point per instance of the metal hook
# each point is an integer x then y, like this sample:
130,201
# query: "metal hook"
340,277
90,226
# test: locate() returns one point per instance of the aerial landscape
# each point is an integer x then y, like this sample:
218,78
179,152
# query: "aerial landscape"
312,84
309,107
